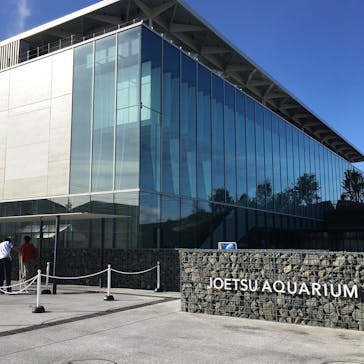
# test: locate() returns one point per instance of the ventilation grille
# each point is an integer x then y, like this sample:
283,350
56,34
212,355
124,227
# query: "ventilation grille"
9,54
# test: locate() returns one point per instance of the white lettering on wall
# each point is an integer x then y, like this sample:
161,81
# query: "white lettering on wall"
278,286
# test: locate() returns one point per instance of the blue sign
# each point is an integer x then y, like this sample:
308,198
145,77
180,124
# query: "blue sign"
227,245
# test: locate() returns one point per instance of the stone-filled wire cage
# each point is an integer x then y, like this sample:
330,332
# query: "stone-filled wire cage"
312,288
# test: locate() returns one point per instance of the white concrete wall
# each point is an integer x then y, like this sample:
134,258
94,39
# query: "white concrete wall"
35,128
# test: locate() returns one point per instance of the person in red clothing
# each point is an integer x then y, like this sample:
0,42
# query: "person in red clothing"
28,254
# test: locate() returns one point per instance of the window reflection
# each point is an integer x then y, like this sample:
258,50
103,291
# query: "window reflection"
230,146
204,133
150,112
250,151
218,182
262,182
81,119
188,128
128,111
104,115
171,124
241,160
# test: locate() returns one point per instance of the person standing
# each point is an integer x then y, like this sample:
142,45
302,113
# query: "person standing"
28,255
6,247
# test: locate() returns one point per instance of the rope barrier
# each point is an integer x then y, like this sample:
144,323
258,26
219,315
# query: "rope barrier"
79,277
40,309
23,289
20,283
134,273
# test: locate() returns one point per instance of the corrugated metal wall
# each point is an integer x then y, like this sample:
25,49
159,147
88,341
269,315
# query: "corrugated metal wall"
9,54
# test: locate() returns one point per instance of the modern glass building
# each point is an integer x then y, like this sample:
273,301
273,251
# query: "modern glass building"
139,126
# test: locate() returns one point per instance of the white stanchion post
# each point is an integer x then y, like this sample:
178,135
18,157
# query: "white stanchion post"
108,296
38,308
46,290
158,289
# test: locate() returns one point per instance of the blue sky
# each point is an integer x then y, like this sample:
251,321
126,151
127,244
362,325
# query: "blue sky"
314,48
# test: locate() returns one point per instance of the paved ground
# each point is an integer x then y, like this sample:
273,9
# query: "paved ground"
145,327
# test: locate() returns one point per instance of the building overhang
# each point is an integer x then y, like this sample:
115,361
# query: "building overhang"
181,25
72,216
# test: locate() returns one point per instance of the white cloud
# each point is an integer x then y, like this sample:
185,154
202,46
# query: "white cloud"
23,12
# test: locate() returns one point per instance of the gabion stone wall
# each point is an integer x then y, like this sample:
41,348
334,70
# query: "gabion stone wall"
311,288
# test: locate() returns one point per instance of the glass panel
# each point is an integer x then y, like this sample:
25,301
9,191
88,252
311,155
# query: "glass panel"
126,227
104,115
290,167
188,128
307,154
127,148
149,220
323,174
128,86
204,133
241,149
151,70
150,149
336,182
314,176
230,224
217,103
170,220
170,125
250,150
328,177
81,119
268,159
307,199
252,225
188,225
283,161
318,177
204,225
330,173
218,216
338,179
296,153
302,154
78,235
102,204
259,142
241,226
128,113
229,135
150,113
276,163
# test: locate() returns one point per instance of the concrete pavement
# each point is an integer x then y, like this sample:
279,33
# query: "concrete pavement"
145,327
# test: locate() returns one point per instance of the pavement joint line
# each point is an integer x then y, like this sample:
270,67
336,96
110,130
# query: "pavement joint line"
84,317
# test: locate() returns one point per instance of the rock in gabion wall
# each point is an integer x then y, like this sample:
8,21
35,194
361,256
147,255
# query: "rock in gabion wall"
291,287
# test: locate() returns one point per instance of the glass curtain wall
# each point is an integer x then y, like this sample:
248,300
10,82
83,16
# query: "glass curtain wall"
226,148
211,162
